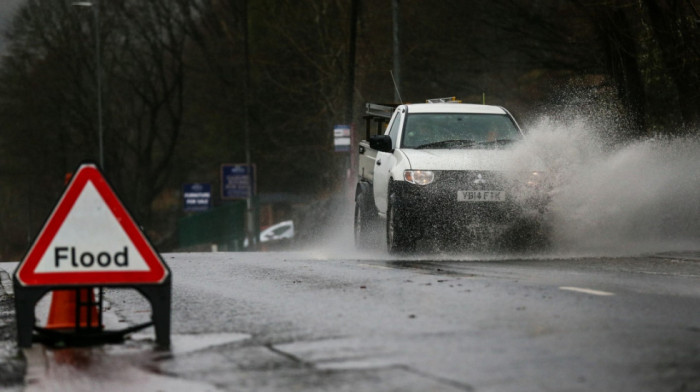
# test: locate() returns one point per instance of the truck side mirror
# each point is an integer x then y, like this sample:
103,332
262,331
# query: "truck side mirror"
381,143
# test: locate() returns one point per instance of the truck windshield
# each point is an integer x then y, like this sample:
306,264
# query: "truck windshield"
457,130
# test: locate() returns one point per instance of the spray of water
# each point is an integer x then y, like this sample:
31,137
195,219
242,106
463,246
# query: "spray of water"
607,197
635,198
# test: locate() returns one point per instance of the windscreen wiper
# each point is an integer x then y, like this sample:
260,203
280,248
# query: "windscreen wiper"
499,141
448,143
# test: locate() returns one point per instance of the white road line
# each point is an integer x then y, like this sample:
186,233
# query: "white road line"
586,291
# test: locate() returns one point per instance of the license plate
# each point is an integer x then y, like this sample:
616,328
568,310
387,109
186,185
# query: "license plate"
481,196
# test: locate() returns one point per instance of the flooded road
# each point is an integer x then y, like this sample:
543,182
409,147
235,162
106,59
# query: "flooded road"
315,322
611,305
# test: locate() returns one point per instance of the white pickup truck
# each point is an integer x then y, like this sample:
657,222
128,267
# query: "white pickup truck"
441,172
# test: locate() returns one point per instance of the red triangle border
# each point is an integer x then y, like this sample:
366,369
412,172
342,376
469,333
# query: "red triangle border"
26,274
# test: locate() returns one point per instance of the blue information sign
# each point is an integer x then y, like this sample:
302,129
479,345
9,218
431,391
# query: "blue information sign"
341,138
236,180
197,197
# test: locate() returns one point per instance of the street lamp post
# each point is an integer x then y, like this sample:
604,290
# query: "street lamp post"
98,72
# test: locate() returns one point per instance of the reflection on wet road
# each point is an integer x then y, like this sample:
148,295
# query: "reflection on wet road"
132,366
318,322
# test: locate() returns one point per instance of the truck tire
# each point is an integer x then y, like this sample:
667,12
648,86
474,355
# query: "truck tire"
365,221
398,231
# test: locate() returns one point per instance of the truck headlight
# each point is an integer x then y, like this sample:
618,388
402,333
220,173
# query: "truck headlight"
535,179
419,177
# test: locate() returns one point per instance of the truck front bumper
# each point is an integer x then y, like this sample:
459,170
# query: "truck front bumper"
438,209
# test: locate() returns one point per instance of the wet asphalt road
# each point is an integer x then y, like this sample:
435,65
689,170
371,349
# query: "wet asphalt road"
315,321
12,364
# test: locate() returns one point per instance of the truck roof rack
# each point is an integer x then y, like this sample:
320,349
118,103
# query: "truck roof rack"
379,110
380,114
444,100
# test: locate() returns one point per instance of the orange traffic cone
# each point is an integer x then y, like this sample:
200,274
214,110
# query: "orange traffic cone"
63,312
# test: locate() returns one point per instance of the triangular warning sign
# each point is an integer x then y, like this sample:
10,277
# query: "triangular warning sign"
90,239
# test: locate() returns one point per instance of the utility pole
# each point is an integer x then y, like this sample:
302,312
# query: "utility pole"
250,212
396,73
350,91
95,5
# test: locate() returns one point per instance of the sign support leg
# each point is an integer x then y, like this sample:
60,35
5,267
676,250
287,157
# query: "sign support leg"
25,300
160,298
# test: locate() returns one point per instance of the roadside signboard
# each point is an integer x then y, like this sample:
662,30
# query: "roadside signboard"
196,197
341,138
90,239
237,180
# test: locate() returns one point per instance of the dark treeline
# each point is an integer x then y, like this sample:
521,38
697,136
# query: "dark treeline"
184,81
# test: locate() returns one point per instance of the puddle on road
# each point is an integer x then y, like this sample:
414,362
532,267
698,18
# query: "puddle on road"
131,366
183,344
92,369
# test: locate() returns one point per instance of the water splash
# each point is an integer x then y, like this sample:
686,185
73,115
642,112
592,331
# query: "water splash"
618,199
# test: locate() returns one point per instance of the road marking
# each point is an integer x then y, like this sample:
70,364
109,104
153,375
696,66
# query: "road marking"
586,291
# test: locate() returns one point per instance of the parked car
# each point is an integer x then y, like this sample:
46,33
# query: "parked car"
277,234
279,231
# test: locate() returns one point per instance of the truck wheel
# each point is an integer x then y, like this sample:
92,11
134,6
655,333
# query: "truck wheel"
365,222
398,239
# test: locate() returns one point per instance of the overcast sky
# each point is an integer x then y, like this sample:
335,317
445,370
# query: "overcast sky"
7,10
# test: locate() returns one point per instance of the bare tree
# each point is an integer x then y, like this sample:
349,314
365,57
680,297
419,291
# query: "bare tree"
675,27
297,70
146,82
47,96
49,93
